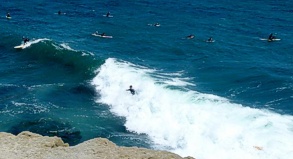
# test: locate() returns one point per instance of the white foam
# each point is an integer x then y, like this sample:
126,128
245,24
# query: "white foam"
190,123
66,46
34,42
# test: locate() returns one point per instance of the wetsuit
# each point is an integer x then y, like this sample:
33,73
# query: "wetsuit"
26,40
132,91
271,37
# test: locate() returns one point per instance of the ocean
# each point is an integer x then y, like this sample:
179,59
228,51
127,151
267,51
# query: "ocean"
230,98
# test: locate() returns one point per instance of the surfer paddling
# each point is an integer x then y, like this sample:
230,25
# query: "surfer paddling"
97,33
190,36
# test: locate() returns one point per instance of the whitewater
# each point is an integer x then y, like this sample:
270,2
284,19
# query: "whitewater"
228,99
187,122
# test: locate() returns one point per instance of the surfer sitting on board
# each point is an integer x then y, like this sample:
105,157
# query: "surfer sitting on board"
271,37
210,39
132,91
59,12
8,15
108,14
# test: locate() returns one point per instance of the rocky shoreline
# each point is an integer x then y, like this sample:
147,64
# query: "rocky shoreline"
28,145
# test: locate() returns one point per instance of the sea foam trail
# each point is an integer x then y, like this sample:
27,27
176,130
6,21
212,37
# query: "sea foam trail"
188,122
35,41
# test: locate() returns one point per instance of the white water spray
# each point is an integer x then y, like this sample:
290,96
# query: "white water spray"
190,123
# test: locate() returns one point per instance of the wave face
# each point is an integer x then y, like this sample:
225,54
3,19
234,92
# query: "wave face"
45,50
228,99
189,122
43,87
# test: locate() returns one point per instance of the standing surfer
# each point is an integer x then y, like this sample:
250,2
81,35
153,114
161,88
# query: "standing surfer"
25,40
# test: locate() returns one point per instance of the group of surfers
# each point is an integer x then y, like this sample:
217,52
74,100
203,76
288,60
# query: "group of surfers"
271,37
192,36
132,91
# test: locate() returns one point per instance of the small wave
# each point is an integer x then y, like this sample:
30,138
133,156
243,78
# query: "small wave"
46,50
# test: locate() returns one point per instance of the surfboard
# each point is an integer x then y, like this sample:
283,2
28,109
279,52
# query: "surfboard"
23,46
8,17
102,36
155,25
60,13
19,46
29,43
110,16
264,39
210,41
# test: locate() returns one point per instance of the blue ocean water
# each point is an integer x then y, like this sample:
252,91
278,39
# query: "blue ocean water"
228,99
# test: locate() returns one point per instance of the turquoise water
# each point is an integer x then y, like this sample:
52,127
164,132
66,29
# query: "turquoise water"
194,98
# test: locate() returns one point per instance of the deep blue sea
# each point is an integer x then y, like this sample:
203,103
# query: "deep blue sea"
231,98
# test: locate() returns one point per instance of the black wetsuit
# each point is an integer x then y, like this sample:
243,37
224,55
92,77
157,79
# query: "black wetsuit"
132,91
26,40
271,37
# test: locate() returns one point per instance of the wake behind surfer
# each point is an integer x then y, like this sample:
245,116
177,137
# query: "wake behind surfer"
132,91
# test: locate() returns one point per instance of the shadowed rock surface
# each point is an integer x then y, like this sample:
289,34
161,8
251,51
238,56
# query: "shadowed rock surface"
27,145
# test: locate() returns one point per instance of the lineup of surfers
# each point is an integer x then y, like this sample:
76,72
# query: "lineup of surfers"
25,40
132,91
191,36
271,37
